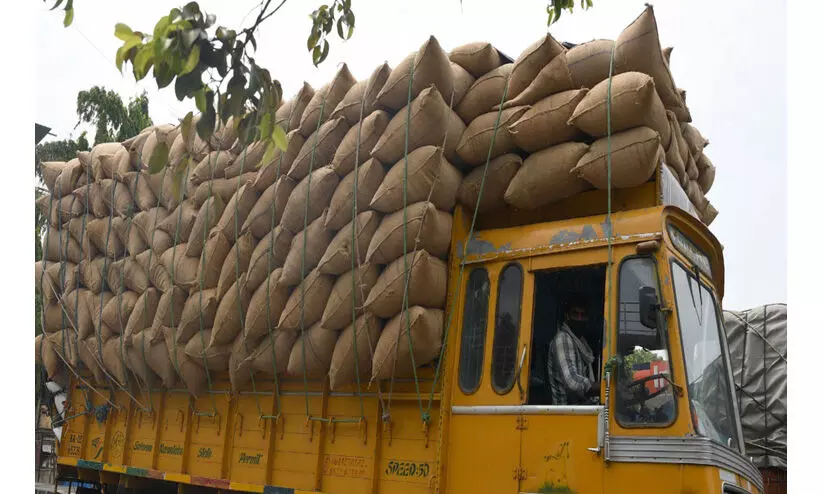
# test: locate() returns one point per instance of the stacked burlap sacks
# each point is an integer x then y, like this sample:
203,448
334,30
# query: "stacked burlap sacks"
296,267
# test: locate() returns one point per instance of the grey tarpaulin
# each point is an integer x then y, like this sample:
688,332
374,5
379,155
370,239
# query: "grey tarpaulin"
757,347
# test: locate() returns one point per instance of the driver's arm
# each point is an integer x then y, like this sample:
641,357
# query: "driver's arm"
567,360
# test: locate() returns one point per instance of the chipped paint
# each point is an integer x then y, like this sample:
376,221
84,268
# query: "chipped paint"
478,247
570,236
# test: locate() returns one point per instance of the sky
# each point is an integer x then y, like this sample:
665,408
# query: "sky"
731,60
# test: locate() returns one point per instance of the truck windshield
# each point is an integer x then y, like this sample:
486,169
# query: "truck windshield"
706,372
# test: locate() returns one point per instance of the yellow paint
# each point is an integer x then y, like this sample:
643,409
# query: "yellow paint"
250,443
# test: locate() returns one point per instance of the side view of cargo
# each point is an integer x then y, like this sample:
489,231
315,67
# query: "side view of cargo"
466,273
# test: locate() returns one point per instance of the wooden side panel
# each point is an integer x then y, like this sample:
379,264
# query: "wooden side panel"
295,456
174,420
142,434
408,450
207,447
349,449
249,453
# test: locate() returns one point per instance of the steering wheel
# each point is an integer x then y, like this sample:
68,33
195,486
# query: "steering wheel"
645,395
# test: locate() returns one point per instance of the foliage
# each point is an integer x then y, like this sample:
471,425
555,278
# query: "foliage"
64,150
551,488
556,7
68,16
640,356
114,121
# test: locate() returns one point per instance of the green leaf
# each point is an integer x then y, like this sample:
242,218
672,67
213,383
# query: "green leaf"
268,155
192,60
123,31
280,139
340,27
350,19
56,4
200,99
174,14
190,36
205,126
159,158
118,59
313,39
185,126
177,184
69,17
265,125
142,61
163,75
315,55
190,10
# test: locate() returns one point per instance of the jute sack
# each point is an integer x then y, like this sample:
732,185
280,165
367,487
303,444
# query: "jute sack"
228,320
115,362
498,176
462,82
673,155
116,313
317,288
478,58
212,166
129,273
368,132
51,279
154,354
170,308
352,356
634,104
709,214
691,169
325,100
145,309
694,139
62,210
696,196
319,148
138,364
270,254
707,172
247,161
177,151
430,122
270,361
338,311
102,167
193,376
307,248
89,354
149,264
266,306
214,358
338,256
146,222
289,115
236,263
135,243
263,215
76,304
635,155
485,93
51,170
179,223
182,269
530,62
236,211
38,349
240,368
311,355
545,177
90,198
195,146
100,234
314,191
423,221
487,129
49,357
64,343
77,230
223,187
428,176
430,66
66,181
362,97
211,260
207,217
427,285
392,357
121,163
224,136
638,49
91,273
545,124
368,176
281,162
198,313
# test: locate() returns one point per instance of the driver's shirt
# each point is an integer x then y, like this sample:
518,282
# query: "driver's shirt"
570,369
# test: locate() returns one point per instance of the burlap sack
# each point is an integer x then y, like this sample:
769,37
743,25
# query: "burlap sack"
392,358
430,66
179,223
212,166
325,100
48,357
138,364
235,213
228,320
262,218
353,351
270,254
236,263
709,214
674,157
91,273
214,358
429,123
77,229
146,222
115,361
223,187
338,311
272,361
485,93
177,151
369,176
155,355
696,196
707,171
545,177
319,148
247,161
280,164
691,169
694,139
545,124
149,263
135,243
117,311
183,270
198,314
66,181
51,170
224,135
289,115
121,163
317,288
100,234
193,376
311,355
635,154
428,176
422,221
338,256
135,147
64,343
477,58
266,306
462,82
530,62
638,49
88,351
102,167
240,366
79,318
368,132
145,309
129,273
427,285
52,279
634,104
498,176
211,260
207,217
170,308
305,252
313,192
362,97
90,198
492,127
62,210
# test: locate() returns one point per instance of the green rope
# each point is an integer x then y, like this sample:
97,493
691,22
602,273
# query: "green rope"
609,225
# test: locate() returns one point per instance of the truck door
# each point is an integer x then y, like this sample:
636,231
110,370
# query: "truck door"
492,348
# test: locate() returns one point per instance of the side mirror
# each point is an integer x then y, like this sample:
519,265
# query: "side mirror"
649,306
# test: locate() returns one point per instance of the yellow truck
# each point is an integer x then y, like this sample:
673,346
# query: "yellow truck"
481,418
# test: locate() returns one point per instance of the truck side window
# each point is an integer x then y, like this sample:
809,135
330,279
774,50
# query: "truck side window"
473,339
506,327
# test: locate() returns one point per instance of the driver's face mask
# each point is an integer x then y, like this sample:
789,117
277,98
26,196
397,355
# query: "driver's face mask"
578,320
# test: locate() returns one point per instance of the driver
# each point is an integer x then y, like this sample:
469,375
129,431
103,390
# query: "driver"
571,374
